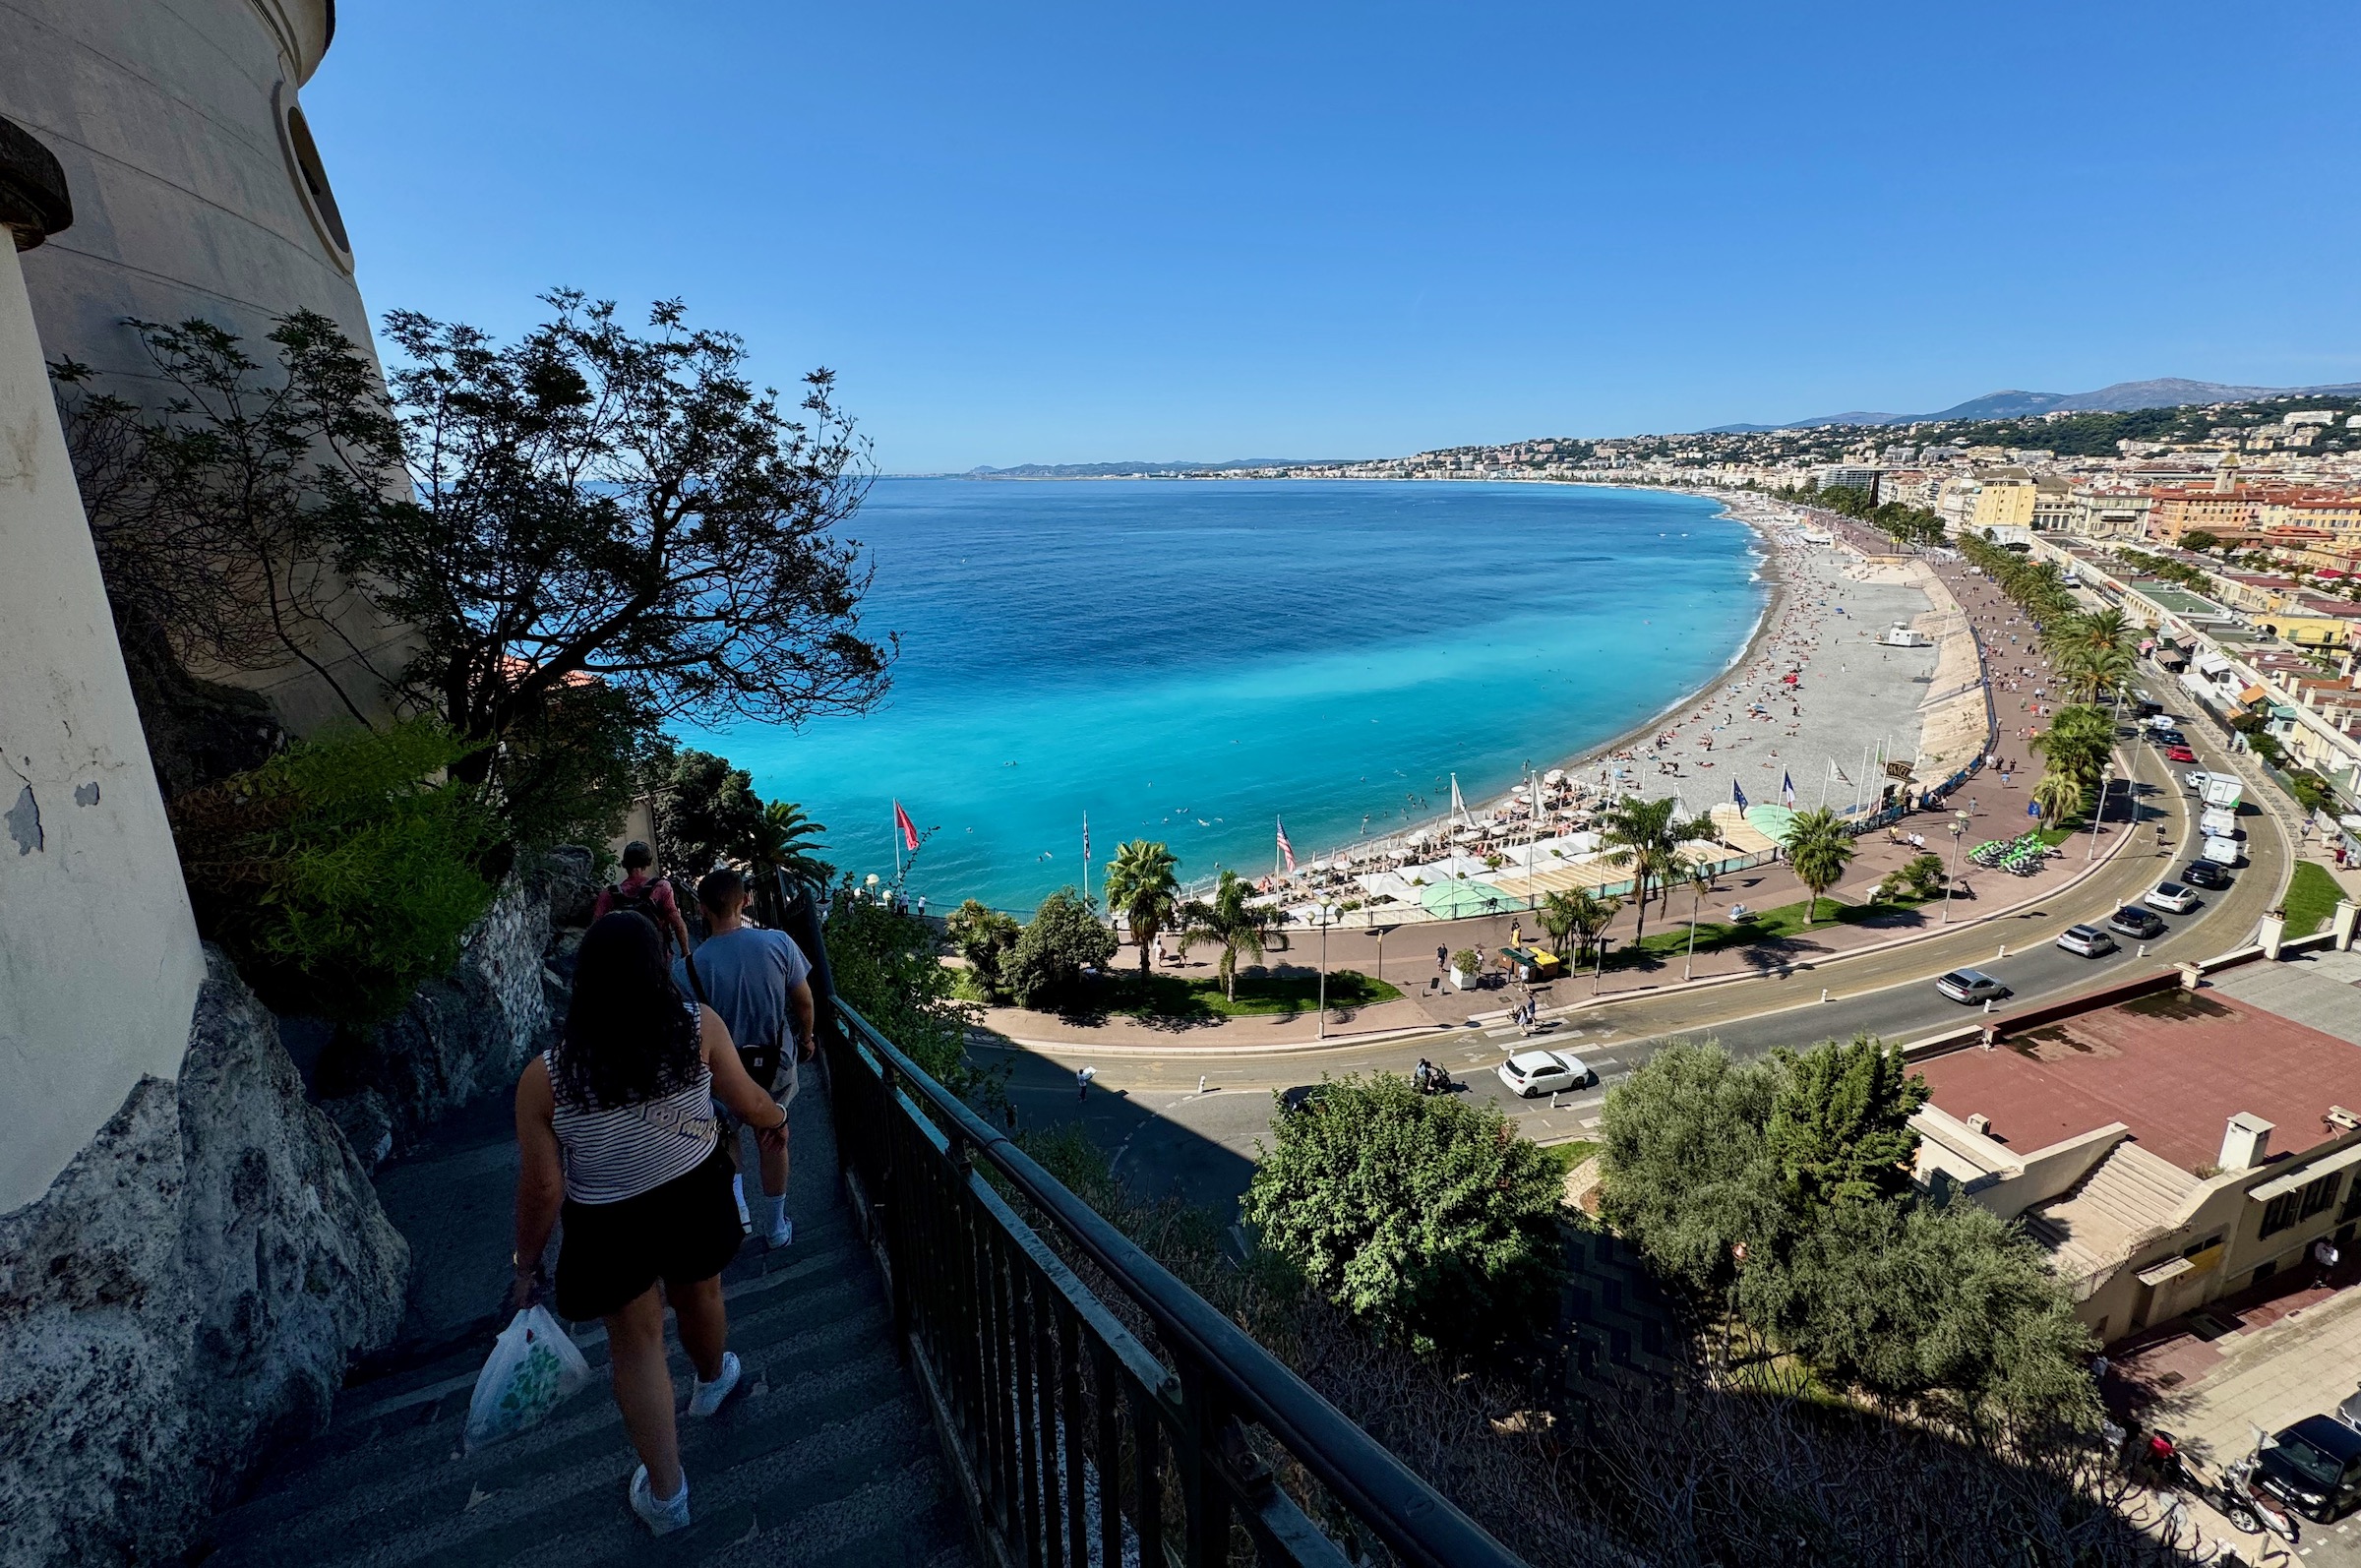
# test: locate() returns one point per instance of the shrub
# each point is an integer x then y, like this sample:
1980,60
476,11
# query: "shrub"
887,965
982,934
1464,961
1428,1218
342,873
568,772
1924,876
1044,967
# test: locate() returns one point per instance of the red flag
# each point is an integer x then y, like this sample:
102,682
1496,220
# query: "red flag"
903,824
1286,849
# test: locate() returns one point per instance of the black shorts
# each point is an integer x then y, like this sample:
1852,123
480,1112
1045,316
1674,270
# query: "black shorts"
679,1233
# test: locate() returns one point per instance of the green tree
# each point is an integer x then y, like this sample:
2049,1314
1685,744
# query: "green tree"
2059,796
1924,875
1645,836
1231,921
1819,847
1427,1218
707,811
342,873
1840,1128
1575,918
887,965
568,770
982,934
2200,540
1044,967
1143,887
2076,742
784,840
1684,1170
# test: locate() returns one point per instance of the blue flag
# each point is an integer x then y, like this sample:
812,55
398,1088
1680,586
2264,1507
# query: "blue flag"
1787,789
1737,795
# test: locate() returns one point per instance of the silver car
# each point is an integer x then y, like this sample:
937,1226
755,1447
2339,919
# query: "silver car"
2087,940
1970,986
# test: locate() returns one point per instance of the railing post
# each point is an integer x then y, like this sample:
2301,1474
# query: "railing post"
1207,1502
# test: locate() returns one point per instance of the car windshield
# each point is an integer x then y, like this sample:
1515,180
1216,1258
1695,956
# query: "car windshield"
2314,1466
2169,889
2081,932
1959,976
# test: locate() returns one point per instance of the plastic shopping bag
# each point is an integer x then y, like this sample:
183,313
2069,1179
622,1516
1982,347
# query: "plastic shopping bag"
533,1365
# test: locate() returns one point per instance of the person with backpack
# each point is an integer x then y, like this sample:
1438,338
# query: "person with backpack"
759,984
647,894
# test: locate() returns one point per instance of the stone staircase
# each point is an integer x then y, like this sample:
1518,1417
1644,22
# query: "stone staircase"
828,1457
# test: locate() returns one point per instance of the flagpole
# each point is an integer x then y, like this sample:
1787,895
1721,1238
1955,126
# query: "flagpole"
1827,766
894,828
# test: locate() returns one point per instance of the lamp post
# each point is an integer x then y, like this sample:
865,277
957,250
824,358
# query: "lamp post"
1327,913
1958,831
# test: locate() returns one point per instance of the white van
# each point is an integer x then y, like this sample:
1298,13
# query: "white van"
2217,822
2223,790
2221,851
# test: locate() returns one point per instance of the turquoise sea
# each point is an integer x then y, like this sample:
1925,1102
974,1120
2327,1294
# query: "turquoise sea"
1190,661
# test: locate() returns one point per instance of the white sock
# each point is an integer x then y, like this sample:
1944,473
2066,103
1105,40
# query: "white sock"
738,1191
774,1213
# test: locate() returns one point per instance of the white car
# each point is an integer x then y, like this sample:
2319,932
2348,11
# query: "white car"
1536,1072
2087,940
2171,897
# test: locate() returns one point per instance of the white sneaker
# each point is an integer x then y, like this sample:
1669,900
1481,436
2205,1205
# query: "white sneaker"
660,1518
783,1236
705,1397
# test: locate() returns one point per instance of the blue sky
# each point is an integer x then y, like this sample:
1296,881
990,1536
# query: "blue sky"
1055,232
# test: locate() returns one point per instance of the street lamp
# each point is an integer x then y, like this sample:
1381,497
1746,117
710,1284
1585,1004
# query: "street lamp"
1327,913
1958,831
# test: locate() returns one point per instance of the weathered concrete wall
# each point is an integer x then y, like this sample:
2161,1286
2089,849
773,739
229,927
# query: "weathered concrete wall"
99,957
185,146
185,1295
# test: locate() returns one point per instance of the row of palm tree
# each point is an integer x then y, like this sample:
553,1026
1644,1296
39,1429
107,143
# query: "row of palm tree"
2074,750
2092,651
1143,886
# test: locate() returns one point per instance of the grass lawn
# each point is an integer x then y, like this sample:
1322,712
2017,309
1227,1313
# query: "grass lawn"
1672,940
1172,998
2312,895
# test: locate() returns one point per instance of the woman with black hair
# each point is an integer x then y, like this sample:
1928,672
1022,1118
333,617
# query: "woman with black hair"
616,1126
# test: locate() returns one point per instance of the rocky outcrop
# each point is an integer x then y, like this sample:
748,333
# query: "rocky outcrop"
460,1036
185,1295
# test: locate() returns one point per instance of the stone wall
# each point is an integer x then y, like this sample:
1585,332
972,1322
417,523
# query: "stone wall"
185,1295
469,1031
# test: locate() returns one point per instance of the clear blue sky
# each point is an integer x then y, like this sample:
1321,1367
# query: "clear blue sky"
1051,233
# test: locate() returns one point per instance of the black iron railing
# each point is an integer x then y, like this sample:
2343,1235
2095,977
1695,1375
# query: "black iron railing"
1078,1440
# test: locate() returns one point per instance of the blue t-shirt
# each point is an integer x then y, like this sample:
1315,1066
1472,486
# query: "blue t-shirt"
747,975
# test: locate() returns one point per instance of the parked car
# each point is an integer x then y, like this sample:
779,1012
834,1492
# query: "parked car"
2171,897
2179,754
2088,940
2204,873
2314,1466
2133,921
1970,986
1535,1072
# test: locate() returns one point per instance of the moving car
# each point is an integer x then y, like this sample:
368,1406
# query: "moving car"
2314,1466
2219,821
2204,873
1533,1072
2171,897
2179,754
2088,940
2221,851
2196,778
1970,986
2133,921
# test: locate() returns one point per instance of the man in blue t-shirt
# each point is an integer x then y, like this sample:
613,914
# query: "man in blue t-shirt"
759,984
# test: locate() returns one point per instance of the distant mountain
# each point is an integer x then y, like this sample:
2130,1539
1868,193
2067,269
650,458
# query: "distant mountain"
1115,471
2122,398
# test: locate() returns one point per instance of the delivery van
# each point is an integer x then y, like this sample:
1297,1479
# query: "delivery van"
2223,790
2221,851
2217,822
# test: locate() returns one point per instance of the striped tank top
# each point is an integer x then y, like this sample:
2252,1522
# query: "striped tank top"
620,1153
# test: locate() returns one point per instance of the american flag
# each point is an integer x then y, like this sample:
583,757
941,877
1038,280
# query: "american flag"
1287,851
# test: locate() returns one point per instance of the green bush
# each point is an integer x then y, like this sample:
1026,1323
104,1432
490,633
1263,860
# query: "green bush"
1043,968
1427,1217
341,874
887,965
566,774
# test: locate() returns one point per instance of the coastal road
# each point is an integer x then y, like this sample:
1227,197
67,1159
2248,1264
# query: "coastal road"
1171,1136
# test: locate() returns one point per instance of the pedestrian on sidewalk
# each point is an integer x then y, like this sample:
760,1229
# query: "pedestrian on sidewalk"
643,890
760,982
1083,1077
616,1131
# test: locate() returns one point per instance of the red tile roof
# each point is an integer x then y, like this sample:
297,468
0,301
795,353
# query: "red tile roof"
2172,1068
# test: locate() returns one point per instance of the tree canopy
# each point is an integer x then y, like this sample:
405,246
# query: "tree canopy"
1044,967
1427,1218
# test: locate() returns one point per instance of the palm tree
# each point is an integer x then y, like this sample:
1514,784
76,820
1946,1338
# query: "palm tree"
2076,742
1577,918
783,839
1140,882
1819,847
2058,795
1232,924
1645,836
2095,651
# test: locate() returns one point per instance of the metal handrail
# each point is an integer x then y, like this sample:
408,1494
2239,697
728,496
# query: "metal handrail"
1007,1353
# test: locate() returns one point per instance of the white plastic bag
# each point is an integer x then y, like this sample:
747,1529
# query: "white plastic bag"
533,1365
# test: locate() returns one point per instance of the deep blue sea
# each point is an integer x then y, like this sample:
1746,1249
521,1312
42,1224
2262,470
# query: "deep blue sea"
1190,661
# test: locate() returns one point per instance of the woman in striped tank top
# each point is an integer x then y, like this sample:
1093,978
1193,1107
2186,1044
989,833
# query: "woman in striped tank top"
617,1130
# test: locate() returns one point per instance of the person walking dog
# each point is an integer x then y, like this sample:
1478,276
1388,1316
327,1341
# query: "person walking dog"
616,1131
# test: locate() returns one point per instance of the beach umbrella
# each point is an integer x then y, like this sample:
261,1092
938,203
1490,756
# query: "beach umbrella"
1556,775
